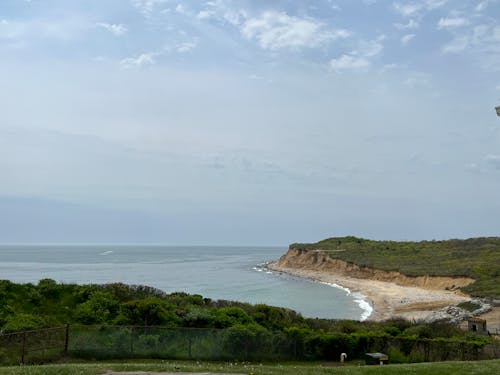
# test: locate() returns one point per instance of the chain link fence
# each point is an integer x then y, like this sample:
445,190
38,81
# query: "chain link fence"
35,346
236,343
178,343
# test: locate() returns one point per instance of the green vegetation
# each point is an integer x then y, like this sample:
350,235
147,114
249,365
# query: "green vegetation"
121,321
295,368
478,258
469,306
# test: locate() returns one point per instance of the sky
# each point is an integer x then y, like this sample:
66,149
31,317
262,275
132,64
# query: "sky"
248,122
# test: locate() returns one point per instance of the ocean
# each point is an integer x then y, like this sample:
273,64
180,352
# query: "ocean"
231,273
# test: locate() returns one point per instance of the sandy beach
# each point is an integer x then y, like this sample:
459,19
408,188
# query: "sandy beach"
388,300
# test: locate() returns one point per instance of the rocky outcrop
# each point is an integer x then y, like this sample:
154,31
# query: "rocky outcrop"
455,314
318,260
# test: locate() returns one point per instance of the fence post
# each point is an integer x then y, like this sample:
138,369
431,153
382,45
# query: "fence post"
295,348
132,340
189,345
66,339
23,347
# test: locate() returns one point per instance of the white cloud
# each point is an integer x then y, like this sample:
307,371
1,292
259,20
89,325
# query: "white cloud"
181,9
415,8
472,167
483,5
372,47
407,39
349,62
205,14
482,43
11,30
277,30
434,4
115,29
408,9
62,29
179,47
448,23
388,67
146,7
220,9
186,47
417,80
457,45
139,61
412,24
493,160
359,59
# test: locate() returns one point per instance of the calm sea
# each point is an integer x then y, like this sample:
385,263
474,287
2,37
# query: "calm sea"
232,273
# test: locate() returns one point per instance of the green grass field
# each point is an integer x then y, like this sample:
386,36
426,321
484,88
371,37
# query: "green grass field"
478,258
469,368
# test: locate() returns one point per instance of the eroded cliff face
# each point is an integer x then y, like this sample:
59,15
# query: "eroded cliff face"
318,260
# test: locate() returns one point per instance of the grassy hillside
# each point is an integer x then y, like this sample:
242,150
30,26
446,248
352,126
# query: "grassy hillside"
478,258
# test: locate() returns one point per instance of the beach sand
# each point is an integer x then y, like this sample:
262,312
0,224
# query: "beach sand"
388,300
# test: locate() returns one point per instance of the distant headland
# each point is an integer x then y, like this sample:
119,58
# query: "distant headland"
426,280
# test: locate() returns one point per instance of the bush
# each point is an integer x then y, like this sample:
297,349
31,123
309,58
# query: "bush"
396,356
101,307
22,322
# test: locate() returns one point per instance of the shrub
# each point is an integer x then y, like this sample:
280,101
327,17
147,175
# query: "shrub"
101,307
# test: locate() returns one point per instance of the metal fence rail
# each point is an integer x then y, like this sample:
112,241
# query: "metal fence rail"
39,345
177,343
107,342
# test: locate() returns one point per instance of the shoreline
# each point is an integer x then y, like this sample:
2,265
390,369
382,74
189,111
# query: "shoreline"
360,299
387,299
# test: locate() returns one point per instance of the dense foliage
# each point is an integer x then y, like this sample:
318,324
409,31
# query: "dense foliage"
102,316
478,258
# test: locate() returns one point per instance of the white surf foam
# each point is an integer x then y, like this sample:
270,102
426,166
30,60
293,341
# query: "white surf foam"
359,298
346,290
364,305
106,252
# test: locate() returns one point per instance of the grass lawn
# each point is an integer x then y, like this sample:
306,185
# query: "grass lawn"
298,368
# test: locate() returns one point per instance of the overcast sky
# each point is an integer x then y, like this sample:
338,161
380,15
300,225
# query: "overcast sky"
248,122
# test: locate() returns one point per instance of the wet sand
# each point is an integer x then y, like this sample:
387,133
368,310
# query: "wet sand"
389,300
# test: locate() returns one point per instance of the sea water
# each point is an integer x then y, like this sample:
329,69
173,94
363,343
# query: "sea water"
230,273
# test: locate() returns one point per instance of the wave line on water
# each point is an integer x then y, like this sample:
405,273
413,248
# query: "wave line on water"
359,299
346,290
106,252
364,304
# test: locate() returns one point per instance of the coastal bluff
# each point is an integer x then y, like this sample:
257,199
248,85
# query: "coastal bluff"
421,281
320,261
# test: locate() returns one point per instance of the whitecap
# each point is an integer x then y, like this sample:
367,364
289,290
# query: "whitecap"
106,252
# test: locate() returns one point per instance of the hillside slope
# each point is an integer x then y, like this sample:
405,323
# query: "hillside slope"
478,258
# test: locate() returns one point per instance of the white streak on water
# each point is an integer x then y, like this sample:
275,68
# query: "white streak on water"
359,298
346,290
106,252
364,305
